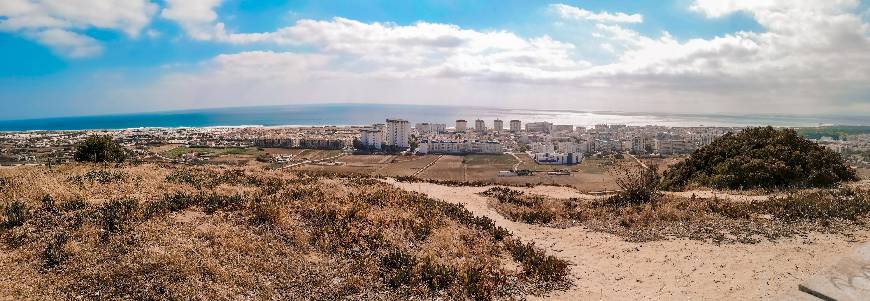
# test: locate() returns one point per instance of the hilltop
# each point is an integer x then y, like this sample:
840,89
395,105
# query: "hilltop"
167,232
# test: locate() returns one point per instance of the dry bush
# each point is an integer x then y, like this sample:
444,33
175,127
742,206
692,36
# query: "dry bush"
827,211
638,185
215,233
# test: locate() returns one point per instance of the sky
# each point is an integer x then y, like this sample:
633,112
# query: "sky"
88,57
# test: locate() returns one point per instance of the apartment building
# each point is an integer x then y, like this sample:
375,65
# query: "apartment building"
497,125
479,126
397,133
461,125
516,126
371,138
541,127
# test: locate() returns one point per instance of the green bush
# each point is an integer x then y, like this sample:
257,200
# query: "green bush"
100,149
760,158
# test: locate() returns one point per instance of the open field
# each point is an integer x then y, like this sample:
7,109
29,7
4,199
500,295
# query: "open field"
607,267
203,233
210,151
591,175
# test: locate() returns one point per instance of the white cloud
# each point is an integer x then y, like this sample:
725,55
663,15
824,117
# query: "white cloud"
69,43
808,57
54,22
576,13
196,17
423,49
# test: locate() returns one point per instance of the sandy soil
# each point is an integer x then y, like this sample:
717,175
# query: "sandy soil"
605,267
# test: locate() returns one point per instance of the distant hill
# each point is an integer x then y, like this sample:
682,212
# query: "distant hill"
761,157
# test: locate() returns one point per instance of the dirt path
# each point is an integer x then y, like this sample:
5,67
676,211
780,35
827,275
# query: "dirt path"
607,268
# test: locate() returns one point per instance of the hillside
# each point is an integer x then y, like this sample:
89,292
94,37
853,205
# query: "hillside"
760,158
172,233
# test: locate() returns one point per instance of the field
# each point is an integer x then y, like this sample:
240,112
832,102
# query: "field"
591,175
210,151
215,232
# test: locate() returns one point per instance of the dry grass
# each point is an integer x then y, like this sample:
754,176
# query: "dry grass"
830,211
162,232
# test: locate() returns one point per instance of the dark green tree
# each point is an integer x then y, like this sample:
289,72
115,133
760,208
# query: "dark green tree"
100,149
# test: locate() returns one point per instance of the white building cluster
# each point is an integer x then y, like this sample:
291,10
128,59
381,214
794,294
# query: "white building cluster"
459,147
395,134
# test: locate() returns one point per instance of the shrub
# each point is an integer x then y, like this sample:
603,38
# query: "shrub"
265,212
397,269
15,214
536,264
638,186
100,149
115,216
760,158
48,204
54,254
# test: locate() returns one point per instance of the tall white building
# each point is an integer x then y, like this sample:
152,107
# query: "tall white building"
397,133
461,125
516,126
497,125
479,125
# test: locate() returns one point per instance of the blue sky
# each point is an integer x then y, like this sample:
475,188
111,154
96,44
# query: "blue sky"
698,56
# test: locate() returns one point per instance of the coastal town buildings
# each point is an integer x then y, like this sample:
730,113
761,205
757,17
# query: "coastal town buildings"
459,147
397,133
371,138
479,126
516,126
541,127
461,124
497,125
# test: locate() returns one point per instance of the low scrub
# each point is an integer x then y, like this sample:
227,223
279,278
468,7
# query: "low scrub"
826,211
211,233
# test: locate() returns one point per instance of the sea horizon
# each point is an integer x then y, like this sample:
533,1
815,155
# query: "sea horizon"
361,114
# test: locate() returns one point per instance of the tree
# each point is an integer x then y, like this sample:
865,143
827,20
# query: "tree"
100,149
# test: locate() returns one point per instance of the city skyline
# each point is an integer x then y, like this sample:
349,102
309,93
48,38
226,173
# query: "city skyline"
101,57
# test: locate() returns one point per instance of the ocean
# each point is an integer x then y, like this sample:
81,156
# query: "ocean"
364,114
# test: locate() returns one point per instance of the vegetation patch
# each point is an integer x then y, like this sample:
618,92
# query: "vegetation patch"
760,158
284,236
99,176
210,151
639,213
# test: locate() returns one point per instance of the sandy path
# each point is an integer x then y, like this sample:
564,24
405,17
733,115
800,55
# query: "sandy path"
607,268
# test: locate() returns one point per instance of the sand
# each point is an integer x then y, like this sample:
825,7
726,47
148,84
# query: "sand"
605,267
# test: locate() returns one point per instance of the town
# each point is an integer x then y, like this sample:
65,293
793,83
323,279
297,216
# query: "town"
523,147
